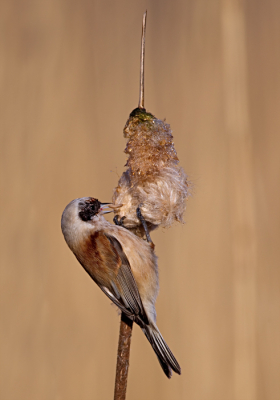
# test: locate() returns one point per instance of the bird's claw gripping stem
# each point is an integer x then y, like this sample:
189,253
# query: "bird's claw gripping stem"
118,221
144,224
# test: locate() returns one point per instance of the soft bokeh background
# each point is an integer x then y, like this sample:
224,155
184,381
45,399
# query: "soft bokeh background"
69,79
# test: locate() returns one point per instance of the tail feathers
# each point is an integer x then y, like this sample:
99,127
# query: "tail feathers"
163,352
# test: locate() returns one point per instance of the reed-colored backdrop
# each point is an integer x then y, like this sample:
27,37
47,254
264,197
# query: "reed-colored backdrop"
69,79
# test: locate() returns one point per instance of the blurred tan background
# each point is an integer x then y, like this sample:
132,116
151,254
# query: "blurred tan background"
69,74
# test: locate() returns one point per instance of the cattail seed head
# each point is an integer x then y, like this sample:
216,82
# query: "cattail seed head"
153,179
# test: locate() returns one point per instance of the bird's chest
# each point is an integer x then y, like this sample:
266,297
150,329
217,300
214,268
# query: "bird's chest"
96,256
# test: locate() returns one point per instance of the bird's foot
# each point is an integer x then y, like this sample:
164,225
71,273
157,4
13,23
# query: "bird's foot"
118,221
144,224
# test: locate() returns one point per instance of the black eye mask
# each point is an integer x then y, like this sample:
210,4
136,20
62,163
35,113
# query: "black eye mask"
90,209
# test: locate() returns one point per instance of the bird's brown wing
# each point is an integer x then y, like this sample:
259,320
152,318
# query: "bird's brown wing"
109,266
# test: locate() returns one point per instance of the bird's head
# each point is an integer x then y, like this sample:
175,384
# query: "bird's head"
89,207
82,216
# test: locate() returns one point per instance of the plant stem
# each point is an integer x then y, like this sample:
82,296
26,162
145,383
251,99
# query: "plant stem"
142,60
123,357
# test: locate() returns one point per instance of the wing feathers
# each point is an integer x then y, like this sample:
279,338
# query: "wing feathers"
123,290
111,270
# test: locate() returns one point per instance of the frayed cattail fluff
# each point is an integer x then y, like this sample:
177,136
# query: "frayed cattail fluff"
153,180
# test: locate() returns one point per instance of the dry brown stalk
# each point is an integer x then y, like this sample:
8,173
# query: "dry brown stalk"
126,323
153,184
123,357
153,180
142,60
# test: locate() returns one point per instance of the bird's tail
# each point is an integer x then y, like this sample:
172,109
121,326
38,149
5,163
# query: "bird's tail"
163,352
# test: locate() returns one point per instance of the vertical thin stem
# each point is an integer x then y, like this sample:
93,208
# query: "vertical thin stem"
126,323
142,59
123,357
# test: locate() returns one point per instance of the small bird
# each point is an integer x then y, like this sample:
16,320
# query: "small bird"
123,265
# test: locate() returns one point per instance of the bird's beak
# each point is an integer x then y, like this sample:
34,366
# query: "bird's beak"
104,207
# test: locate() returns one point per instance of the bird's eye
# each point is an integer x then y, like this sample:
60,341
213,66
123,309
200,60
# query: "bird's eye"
89,210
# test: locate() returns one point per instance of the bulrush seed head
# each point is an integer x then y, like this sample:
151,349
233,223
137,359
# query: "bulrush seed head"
153,179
